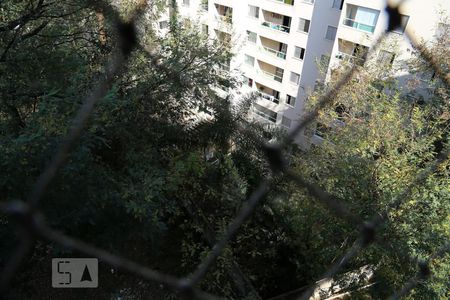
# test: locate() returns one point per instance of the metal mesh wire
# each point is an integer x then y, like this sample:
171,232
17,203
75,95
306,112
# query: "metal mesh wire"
34,227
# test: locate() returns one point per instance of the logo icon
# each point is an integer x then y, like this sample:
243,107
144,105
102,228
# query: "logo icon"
74,272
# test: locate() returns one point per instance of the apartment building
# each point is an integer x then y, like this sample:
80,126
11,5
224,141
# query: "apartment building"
362,21
279,44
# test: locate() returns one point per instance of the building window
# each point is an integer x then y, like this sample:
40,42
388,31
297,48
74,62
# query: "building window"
303,26
253,11
251,37
286,122
249,60
290,100
308,1
186,2
403,22
205,29
204,5
299,52
278,74
295,78
163,24
338,4
361,18
248,81
331,33
385,57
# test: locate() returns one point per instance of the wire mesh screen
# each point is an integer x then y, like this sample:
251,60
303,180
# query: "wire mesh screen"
34,227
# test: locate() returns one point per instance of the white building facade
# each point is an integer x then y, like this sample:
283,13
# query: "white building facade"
280,43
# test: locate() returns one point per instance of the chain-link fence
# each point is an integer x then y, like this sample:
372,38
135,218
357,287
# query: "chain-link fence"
34,227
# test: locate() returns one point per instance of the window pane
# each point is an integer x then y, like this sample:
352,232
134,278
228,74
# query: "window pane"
299,52
403,22
303,26
251,36
338,4
253,11
290,100
205,29
295,78
361,18
331,33
249,60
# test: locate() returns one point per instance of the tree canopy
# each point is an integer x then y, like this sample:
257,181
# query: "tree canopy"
152,181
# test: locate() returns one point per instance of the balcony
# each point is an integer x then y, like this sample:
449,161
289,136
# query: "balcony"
346,57
223,37
224,19
224,13
269,46
361,18
267,93
288,2
351,52
265,113
271,75
275,53
358,25
276,21
269,97
275,26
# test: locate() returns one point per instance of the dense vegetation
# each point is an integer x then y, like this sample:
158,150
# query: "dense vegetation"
141,182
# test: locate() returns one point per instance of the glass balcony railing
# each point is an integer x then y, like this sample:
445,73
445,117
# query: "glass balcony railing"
224,18
271,76
268,97
275,26
360,26
265,116
289,2
349,58
273,52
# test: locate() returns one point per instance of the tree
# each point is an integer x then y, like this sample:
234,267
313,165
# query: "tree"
377,138
140,167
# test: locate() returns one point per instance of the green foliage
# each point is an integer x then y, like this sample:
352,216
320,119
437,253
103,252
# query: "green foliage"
378,138
141,181
138,183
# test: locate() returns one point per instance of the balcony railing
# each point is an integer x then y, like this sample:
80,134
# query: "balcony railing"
264,115
222,69
273,52
360,26
224,18
349,58
268,97
271,76
289,2
275,26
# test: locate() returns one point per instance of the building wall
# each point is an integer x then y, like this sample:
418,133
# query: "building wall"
321,14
